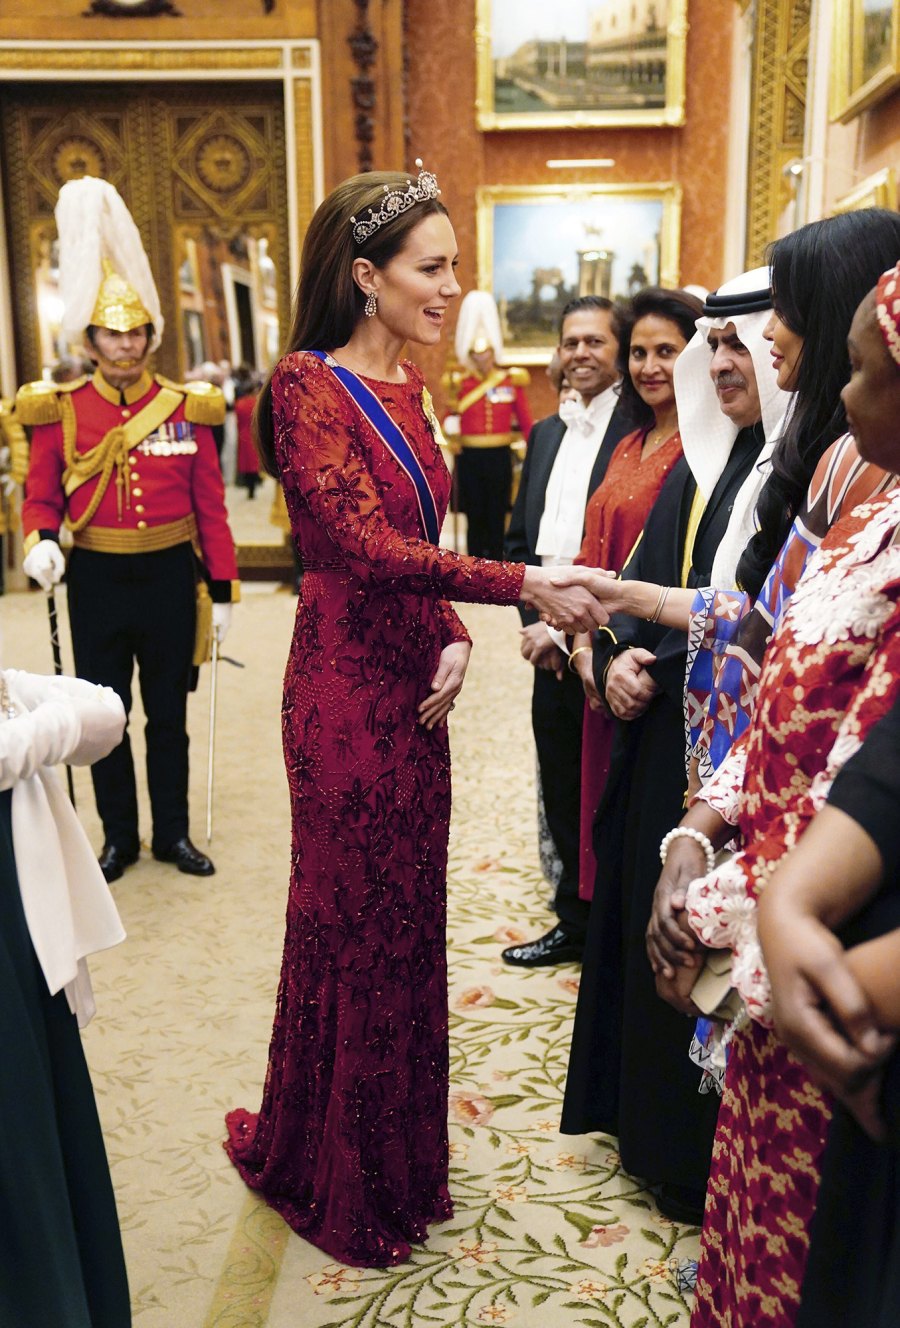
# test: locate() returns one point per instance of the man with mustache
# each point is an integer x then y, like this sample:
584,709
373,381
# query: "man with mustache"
629,1072
127,463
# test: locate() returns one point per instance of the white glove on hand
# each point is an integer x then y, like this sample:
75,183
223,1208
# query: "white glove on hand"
451,426
221,621
45,563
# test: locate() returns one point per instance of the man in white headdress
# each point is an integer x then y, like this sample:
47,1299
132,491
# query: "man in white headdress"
724,382
127,462
491,413
629,1072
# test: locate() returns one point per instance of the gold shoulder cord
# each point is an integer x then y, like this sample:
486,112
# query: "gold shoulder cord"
110,452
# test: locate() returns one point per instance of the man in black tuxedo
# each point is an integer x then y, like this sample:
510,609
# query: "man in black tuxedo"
566,460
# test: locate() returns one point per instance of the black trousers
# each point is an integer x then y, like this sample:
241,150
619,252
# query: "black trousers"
139,607
485,481
557,713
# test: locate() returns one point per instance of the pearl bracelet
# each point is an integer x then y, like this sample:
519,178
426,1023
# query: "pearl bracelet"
687,832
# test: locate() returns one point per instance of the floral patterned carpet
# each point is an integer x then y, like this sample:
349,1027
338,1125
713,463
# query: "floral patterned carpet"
548,1229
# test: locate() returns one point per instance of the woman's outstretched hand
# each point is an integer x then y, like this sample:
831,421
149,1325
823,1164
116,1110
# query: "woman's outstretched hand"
563,599
446,684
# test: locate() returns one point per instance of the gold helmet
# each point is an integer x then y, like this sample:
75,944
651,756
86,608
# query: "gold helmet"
118,304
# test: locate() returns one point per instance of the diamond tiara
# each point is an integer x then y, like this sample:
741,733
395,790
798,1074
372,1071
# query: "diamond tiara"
395,202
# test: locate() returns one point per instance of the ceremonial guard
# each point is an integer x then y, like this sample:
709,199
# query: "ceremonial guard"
489,413
127,462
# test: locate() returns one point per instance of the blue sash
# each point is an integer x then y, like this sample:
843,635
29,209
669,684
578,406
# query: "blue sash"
371,408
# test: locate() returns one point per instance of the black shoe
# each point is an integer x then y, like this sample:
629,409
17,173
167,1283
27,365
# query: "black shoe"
113,860
557,947
186,858
681,1203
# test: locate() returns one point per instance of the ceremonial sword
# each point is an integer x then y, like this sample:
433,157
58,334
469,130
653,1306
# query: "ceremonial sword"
57,666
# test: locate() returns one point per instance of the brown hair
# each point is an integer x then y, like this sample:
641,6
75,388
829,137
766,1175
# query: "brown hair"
329,303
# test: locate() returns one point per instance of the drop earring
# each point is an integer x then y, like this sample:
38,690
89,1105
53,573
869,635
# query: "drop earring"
371,305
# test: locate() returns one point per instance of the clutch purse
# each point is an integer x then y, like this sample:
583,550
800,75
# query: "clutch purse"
713,993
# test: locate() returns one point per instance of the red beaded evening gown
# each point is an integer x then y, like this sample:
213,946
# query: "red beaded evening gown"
350,1143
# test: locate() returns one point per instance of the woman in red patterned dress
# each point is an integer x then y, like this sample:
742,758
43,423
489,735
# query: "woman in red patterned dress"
350,1143
661,324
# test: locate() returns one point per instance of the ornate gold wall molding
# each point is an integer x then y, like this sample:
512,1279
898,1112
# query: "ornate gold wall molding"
127,61
778,101
228,160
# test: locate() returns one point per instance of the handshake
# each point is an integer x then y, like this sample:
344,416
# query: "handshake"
574,599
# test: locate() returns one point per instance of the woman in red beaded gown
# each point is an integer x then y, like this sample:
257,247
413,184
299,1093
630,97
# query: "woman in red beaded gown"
661,325
350,1143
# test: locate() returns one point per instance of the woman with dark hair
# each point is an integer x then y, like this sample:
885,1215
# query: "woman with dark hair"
658,326
819,275
350,1143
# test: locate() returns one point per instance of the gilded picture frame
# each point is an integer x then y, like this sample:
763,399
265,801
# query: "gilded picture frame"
878,190
585,64
865,62
541,245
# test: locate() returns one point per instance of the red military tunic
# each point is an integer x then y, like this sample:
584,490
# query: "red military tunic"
170,475
500,412
493,412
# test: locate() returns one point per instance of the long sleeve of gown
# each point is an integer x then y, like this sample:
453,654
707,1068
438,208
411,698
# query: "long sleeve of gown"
318,451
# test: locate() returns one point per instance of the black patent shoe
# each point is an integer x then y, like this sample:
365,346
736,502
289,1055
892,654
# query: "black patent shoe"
557,947
113,860
681,1203
186,858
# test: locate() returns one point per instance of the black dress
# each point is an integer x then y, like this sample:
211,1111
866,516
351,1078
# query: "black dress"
853,1271
61,1259
629,1072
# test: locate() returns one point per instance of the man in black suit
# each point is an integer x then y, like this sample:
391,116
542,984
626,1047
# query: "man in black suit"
565,462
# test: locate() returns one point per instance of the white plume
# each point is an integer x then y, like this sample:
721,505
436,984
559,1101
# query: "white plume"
93,224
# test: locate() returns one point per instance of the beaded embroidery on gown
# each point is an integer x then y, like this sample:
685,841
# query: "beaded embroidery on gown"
350,1143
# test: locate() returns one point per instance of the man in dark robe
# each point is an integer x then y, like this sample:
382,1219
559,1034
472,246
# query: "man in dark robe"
629,1073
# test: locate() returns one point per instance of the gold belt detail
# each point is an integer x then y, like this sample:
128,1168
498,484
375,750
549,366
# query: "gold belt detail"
106,539
487,439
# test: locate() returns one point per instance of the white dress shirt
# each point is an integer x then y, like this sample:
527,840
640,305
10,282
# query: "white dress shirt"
562,522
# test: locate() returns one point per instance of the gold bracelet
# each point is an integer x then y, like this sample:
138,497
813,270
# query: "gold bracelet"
660,603
577,652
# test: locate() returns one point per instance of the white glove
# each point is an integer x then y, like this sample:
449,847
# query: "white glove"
451,426
66,719
221,621
45,563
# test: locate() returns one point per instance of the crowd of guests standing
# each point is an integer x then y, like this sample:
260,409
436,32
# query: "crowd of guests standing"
748,529
705,551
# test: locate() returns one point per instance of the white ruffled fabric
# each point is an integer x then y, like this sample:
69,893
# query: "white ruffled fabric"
67,903
723,914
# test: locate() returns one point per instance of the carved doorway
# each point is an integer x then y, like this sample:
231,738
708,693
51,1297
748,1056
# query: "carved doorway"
201,166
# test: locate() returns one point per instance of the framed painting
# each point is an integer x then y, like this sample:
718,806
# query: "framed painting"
541,246
879,190
579,65
865,63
